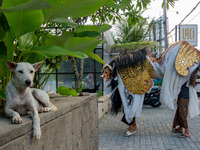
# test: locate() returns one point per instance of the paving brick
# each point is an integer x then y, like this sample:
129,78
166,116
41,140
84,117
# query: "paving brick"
153,132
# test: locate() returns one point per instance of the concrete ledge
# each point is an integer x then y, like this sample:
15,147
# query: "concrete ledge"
103,105
73,126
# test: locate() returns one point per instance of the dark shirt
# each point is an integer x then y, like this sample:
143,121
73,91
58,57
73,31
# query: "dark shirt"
184,93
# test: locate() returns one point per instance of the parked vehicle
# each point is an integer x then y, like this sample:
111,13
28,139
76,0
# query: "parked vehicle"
153,97
197,85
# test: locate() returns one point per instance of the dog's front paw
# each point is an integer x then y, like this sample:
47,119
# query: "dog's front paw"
17,120
40,109
44,109
37,134
47,109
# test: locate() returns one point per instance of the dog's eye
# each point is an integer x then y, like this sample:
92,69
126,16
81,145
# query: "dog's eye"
20,71
31,71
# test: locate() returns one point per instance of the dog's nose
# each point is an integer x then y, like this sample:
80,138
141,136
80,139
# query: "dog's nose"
28,82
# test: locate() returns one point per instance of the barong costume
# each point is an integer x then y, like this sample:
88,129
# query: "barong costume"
135,72
135,77
175,66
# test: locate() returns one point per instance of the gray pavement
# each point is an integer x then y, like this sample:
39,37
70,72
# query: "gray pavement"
153,132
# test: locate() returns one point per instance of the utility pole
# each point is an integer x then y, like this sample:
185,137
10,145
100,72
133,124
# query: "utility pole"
165,24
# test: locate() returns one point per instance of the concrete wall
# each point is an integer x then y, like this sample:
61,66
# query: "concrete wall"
74,126
103,105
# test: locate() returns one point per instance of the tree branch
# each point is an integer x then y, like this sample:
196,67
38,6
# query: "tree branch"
74,66
81,68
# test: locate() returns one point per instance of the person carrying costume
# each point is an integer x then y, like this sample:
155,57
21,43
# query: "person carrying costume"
180,118
136,70
179,65
132,76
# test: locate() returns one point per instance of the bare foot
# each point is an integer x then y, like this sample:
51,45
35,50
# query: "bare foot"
134,125
177,130
185,135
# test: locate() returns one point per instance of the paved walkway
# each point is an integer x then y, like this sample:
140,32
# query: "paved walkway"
153,133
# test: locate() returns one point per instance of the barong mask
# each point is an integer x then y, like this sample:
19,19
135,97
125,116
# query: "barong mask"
106,72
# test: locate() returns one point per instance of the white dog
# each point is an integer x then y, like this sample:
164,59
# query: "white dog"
21,99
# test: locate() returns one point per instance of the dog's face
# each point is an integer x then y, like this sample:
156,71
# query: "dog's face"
23,72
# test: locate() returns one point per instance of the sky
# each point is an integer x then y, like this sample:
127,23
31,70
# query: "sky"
176,15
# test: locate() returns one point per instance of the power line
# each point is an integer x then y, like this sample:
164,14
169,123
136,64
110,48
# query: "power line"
184,19
188,22
186,16
194,17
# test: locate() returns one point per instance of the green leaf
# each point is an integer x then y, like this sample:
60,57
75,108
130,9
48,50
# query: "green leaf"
65,21
63,90
84,44
2,33
100,93
2,95
32,5
127,3
97,28
111,3
25,52
35,57
59,40
54,50
8,41
91,34
26,40
96,57
3,68
80,88
31,57
69,47
4,27
3,50
71,8
22,22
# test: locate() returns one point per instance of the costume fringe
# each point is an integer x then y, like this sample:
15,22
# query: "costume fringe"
115,98
125,59
130,59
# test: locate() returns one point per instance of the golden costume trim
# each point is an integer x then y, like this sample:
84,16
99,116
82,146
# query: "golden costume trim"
186,58
138,80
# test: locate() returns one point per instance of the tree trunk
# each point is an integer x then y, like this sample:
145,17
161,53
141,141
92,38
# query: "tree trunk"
78,75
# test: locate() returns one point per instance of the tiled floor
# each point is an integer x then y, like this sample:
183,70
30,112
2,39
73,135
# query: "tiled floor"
153,132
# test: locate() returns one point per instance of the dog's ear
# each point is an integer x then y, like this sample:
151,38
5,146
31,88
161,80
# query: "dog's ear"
37,65
11,65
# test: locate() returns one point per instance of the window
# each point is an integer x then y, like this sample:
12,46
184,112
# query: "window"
65,75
